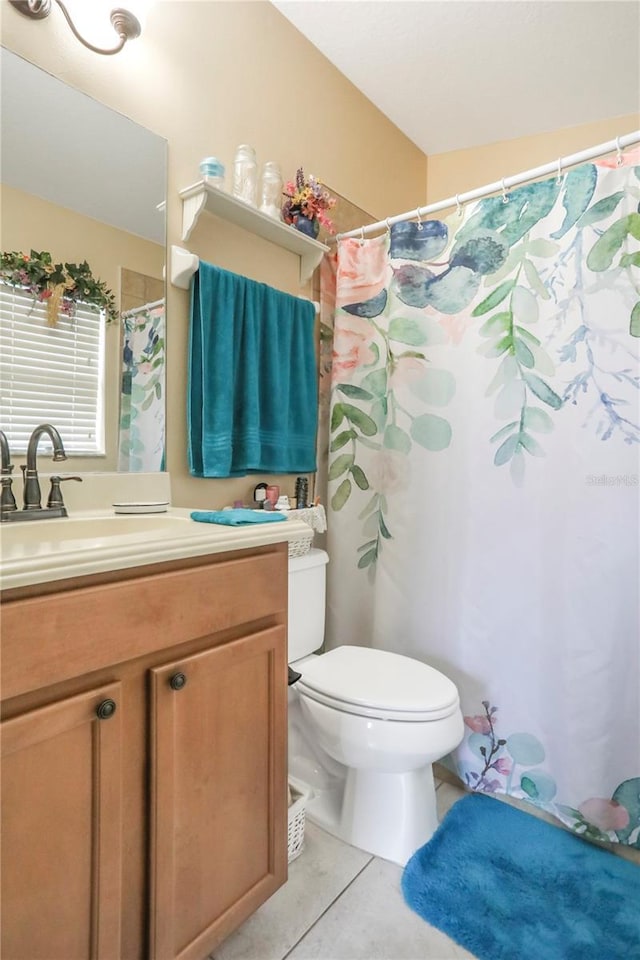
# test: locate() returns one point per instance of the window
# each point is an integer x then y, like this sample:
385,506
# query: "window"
51,374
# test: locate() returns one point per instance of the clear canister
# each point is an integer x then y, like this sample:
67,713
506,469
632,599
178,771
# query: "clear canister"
245,175
212,171
271,189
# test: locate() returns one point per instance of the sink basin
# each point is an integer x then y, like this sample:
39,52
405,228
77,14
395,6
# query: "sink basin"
39,551
93,531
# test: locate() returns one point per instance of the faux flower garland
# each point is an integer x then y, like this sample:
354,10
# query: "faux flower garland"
60,285
307,198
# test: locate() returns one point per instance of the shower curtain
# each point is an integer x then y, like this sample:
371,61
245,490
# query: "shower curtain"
483,445
142,406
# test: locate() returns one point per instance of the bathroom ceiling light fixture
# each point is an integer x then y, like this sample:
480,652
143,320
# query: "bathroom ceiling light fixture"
126,25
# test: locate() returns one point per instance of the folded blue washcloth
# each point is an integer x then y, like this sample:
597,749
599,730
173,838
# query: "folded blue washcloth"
236,518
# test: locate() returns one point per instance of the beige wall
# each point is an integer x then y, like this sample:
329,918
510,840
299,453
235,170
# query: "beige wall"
29,222
208,76
462,170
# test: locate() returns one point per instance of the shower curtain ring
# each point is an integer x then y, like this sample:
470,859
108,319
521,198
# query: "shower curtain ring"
505,198
419,219
458,206
618,152
362,236
388,225
559,177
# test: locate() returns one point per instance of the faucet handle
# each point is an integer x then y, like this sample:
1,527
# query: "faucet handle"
7,499
55,494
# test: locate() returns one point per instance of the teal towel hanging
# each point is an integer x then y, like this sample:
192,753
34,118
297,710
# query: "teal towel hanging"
252,404
237,517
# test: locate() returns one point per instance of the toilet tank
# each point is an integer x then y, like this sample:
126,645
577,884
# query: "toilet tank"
307,591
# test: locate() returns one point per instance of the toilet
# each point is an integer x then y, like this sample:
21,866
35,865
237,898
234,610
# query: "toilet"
365,727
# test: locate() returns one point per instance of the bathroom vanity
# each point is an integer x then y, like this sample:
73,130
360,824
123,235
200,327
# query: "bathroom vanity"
144,747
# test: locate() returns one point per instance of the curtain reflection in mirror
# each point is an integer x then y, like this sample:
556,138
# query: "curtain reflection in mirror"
142,411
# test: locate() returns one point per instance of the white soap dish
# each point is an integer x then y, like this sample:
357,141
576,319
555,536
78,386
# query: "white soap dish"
157,506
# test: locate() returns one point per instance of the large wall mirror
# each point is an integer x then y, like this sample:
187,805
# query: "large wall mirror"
85,183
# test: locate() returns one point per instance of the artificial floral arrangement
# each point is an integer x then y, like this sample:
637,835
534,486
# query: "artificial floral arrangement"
307,198
60,285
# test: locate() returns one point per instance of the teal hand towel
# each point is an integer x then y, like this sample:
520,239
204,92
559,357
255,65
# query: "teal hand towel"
252,404
236,518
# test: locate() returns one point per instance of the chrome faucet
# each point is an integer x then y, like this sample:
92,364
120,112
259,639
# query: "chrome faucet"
32,495
7,499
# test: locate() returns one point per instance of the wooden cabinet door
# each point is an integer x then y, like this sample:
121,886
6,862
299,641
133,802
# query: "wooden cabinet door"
219,817
61,829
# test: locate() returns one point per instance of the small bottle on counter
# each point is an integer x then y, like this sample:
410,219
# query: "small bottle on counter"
273,494
302,492
245,175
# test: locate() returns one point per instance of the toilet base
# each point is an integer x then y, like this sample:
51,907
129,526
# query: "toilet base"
389,815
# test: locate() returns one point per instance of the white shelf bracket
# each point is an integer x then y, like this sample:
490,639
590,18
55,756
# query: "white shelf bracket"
192,207
308,263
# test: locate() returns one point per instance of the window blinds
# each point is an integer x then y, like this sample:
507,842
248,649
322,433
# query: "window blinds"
51,374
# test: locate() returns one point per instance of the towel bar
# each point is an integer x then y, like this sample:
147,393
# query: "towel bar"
184,264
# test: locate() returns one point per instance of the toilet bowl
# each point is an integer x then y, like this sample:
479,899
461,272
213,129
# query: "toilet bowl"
365,727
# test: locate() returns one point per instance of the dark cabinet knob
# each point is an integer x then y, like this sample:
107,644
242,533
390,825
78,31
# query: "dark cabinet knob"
106,709
177,681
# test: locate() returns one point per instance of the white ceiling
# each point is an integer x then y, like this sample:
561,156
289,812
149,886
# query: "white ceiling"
461,73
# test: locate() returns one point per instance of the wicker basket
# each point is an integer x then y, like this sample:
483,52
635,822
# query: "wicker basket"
297,812
298,548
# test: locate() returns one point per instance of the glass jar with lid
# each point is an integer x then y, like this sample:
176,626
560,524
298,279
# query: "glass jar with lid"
245,175
271,189
212,171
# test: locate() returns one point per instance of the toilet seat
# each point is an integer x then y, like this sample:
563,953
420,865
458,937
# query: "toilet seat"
378,684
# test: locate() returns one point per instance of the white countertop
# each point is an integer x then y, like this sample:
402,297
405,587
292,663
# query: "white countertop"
89,542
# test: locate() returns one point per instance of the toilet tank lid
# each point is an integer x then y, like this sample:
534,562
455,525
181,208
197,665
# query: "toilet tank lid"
314,558
366,677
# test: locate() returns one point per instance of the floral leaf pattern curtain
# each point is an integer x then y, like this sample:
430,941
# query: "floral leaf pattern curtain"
484,443
142,405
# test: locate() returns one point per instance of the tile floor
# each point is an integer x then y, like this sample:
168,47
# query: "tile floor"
341,904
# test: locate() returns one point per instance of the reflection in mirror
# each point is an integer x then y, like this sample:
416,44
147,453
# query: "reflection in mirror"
84,183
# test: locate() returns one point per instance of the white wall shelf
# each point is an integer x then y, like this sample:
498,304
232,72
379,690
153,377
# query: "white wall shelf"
202,196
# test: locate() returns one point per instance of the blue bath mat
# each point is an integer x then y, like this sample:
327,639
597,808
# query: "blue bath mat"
507,886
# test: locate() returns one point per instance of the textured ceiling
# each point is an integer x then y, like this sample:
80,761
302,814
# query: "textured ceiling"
453,73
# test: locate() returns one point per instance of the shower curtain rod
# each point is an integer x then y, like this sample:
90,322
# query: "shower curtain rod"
556,166
145,306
